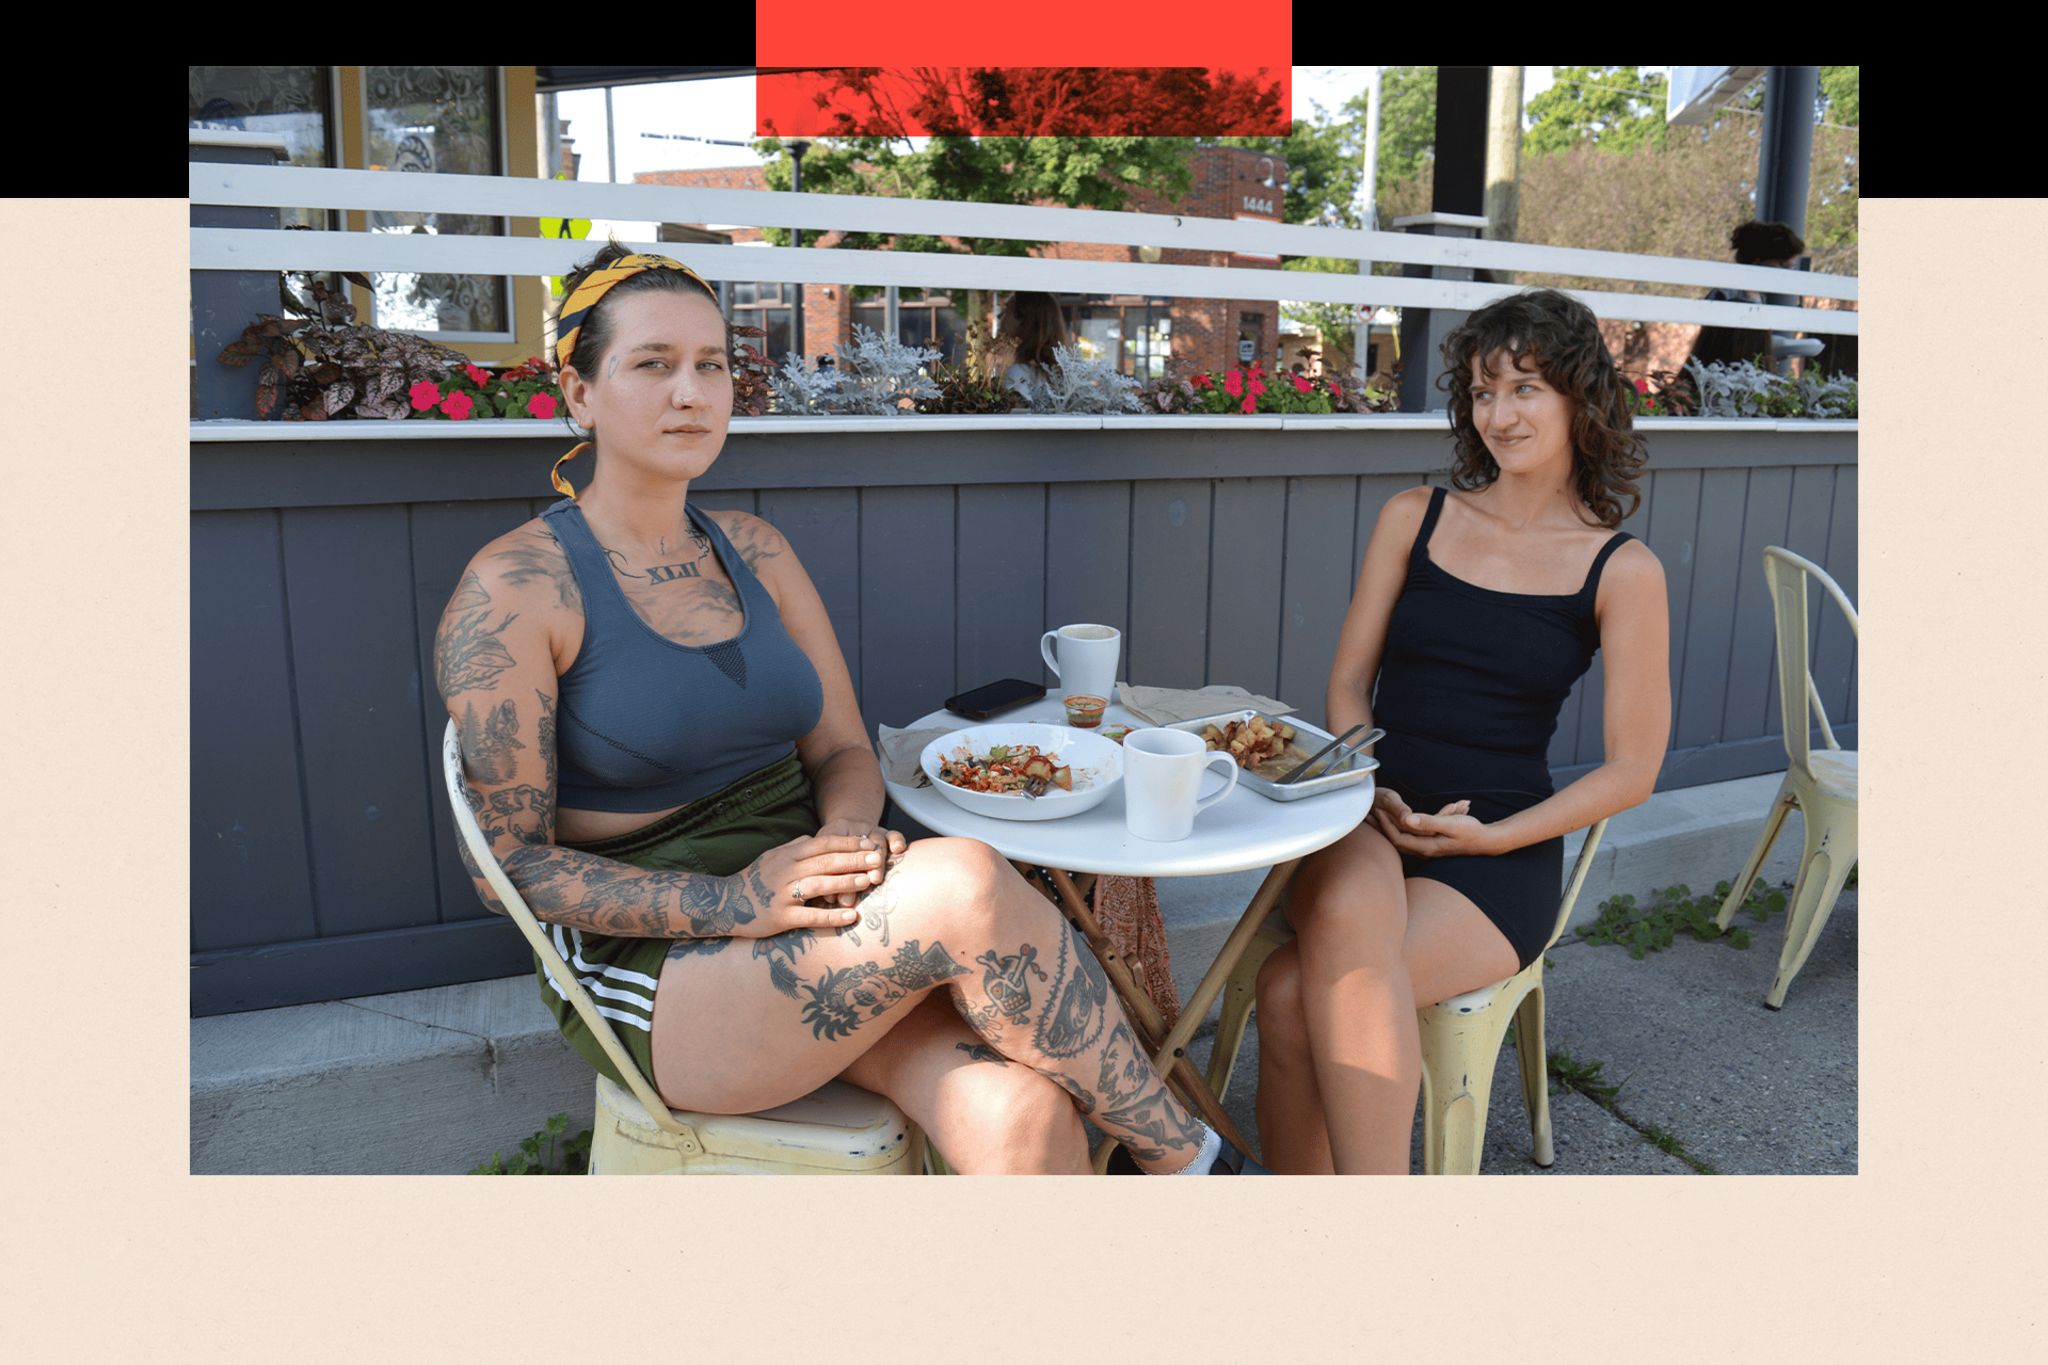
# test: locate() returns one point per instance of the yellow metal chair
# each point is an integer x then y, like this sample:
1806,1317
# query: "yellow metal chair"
1461,1040
837,1129
1820,782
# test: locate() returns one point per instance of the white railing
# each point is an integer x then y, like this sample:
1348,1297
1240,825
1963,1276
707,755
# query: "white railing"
499,196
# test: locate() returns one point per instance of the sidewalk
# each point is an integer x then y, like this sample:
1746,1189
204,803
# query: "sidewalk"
437,1080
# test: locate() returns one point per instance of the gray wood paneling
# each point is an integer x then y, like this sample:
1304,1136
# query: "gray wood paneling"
1753,644
361,697
445,537
1710,630
1322,526
1806,535
1244,584
1001,605
822,526
1087,561
1167,643
250,883
1834,644
907,573
312,626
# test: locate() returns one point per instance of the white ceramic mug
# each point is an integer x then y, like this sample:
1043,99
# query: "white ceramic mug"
1162,772
1086,659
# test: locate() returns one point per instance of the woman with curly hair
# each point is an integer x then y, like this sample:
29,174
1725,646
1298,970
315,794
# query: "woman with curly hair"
660,738
1474,613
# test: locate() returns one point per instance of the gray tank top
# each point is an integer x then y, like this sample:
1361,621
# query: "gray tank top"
644,723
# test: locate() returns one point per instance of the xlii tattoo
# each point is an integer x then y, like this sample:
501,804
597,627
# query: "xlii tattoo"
468,655
981,1052
847,997
1077,1006
669,573
1006,981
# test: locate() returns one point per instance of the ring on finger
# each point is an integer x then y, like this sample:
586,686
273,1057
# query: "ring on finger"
796,889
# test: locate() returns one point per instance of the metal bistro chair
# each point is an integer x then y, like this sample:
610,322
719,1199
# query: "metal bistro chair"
1820,782
1461,1040
837,1129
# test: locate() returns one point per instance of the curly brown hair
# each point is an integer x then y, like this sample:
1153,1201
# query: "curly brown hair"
1561,338
596,337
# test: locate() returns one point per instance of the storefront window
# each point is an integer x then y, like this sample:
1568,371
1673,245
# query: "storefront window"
767,306
293,104
1136,334
437,119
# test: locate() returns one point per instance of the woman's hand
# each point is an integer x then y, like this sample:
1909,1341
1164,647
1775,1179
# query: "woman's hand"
878,839
1447,834
820,867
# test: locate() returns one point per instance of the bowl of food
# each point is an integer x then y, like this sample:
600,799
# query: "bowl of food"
1023,772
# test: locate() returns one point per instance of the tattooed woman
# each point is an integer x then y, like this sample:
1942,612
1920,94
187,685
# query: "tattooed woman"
661,740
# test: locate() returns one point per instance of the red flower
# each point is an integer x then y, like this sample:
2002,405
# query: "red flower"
1250,403
477,375
1258,384
1641,387
457,405
424,395
1336,393
1201,381
1233,383
1301,385
541,405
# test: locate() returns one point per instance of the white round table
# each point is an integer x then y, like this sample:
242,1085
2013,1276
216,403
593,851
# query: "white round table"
1243,831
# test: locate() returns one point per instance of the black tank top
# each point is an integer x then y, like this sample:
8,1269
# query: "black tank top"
1472,679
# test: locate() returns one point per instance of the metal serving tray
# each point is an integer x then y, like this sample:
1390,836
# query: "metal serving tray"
1348,772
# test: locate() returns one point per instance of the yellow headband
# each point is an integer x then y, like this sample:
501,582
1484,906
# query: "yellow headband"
575,308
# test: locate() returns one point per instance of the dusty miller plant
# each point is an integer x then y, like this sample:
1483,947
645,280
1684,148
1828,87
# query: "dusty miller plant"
1742,390
876,376
1828,395
1075,384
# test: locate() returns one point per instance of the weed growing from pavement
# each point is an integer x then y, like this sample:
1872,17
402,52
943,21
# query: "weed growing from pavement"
1572,1076
545,1153
1648,928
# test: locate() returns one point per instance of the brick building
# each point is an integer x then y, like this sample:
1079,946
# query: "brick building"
1141,332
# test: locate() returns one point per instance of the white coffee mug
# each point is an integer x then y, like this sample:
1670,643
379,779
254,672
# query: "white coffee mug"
1085,661
1162,772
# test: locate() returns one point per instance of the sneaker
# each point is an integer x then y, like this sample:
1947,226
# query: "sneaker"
1229,1161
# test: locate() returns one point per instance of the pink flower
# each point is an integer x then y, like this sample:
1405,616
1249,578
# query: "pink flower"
1301,385
1258,384
1250,403
456,405
541,405
1641,387
424,395
1233,383
477,375
1201,381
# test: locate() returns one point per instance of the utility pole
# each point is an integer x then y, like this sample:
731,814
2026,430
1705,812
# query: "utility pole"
1361,329
1503,157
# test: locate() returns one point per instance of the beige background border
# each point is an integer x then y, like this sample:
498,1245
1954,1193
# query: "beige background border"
115,1248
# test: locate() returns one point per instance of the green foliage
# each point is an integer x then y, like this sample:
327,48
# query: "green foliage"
545,1153
1611,106
1571,1075
1654,927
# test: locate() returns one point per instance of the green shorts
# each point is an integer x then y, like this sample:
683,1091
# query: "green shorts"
717,836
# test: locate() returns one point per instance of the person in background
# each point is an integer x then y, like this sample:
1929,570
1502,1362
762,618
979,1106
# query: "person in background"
1030,326
1754,243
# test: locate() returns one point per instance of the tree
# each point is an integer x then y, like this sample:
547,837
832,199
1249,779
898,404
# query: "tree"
1078,172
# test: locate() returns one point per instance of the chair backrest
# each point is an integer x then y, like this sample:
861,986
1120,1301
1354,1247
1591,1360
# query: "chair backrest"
501,886
1580,869
1785,574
